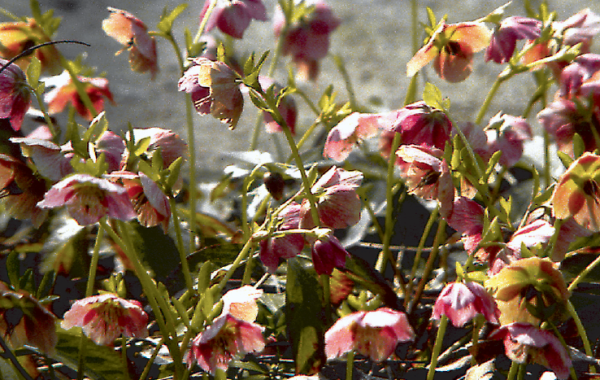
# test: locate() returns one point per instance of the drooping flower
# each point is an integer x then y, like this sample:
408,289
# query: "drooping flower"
89,198
350,132
307,39
461,302
507,133
427,175
226,338
275,249
577,193
241,303
15,96
106,317
165,141
51,161
328,253
371,333
65,92
112,146
23,320
337,203
16,37
287,108
451,47
467,219
132,33
214,90
524,343
233,17
579,28
504,40
575,74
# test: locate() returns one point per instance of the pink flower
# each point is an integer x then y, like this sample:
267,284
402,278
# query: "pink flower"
89,198
307,39
461,302
23,320
427,175
132,33
504,40
51,160
467,219
15,96
113,147
287,108
106,317
170,145
420,124
451,47
574,75
579,28
507,133
274,249
338,203
328,253
65,92
214,90
227,337
233,17
350,132
241,303
525,343
371,333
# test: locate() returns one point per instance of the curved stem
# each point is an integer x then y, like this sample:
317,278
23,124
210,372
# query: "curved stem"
437,347
211,7
584,273
185,268
580,330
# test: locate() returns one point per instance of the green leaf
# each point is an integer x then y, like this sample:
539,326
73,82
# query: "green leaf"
565,159
305,316
258,100
26,282
13,267
431,17
166,22
359,271
491,165
174,170
101,362
98,126
578,145
33,72
249,65
433,96
141,146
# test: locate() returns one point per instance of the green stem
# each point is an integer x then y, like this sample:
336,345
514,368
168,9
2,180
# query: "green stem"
8,354
488,99
349,364
584,273
185,268
512,372
148,366
47,118
339,62
210,9
236,263
580,330
389,211
437,347
326,297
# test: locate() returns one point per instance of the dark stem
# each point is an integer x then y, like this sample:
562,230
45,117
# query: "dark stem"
31,49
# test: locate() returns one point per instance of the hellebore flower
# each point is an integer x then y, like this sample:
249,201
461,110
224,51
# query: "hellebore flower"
307,39
21,190
467,219
15,95
427,175
233,17
132,33
579,28
524,343
113,147
507,133
51,161
575,74
66,92
337,202
420,124
577,193
106,317
451,47
241,303
16,37
226,338
165,141
328,253
287,108
504,40
89,198
214,90
274,249
461,302
374,334
348,133
23,320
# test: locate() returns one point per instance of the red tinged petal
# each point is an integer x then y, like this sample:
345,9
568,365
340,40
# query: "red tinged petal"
15,95
463,302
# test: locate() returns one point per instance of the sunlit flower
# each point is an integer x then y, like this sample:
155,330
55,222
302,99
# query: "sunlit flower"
165,141
427,175
89,198
21,190
233,17
524,343
420,124
579,28
226,338
507,134
287,108
15,95
577,193
328,253
451,47
374,334
214,90
106,317
65,92
337,203
461,302
467,219
241,303
51,161
504,40
307,39
350,132
23,320
132,33
113,147
16,37
275,249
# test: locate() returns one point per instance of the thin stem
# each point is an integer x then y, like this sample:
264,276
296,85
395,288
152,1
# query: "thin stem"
185,268
148,366
349,364
8,354
339,62
211,7
580,330
326,297
584,273
488,99
437,347
512,372
47,117
31,49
